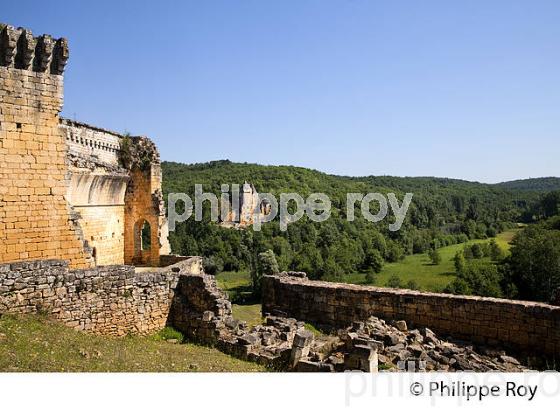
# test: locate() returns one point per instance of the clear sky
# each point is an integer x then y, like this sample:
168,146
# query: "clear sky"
463,89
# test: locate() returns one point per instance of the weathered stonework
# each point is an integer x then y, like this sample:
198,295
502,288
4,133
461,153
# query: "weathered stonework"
65,191
245,207
35,218
109,300
515,324
115,192
118,300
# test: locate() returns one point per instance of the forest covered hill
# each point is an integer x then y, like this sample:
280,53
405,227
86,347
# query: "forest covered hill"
443,212
532,184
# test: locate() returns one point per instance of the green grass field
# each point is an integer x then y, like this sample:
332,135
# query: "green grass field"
35,344
419,268
238,287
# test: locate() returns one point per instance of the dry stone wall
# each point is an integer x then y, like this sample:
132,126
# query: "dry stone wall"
515,324
110,300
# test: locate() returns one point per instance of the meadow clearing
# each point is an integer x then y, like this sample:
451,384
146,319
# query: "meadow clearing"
417,268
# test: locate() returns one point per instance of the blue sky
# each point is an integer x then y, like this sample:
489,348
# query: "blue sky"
465,89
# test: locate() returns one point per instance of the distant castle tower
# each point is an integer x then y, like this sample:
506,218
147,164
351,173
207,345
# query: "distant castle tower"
248,210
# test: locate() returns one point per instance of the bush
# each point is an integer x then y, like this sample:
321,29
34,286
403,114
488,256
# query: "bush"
394,282
413,285
459,261
212,265
435,256
370,276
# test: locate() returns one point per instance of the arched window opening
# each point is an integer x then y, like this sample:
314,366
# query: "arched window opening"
146,236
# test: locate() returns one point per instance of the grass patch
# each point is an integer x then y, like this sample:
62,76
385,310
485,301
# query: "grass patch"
238,287
313,329
168,333
249,313
36,344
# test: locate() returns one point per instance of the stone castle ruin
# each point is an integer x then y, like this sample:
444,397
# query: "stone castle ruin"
81,207
245,207
69,190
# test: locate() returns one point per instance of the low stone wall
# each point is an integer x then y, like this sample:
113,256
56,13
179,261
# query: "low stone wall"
515,324
200,309
187,263
111,300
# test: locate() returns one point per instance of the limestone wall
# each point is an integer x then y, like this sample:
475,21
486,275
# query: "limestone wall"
91,142
35,219
115,186
97,186
144,202
114,191
112,300
516,324
65,192
103,228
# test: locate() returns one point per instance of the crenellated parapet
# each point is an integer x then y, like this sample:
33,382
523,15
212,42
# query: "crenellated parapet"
21,50
36,220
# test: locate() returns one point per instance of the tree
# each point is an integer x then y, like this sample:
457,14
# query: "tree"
478,278
212,265
467,252
459,261
435,256
458,287
477,251
373,260
550,204
535,263
496,253
438,216
266,264
394,252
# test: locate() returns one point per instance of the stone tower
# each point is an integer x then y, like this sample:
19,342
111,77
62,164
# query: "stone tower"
69,190
36,221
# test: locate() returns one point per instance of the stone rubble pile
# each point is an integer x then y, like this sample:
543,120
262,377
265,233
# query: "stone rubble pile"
203,313
271,344
376,345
